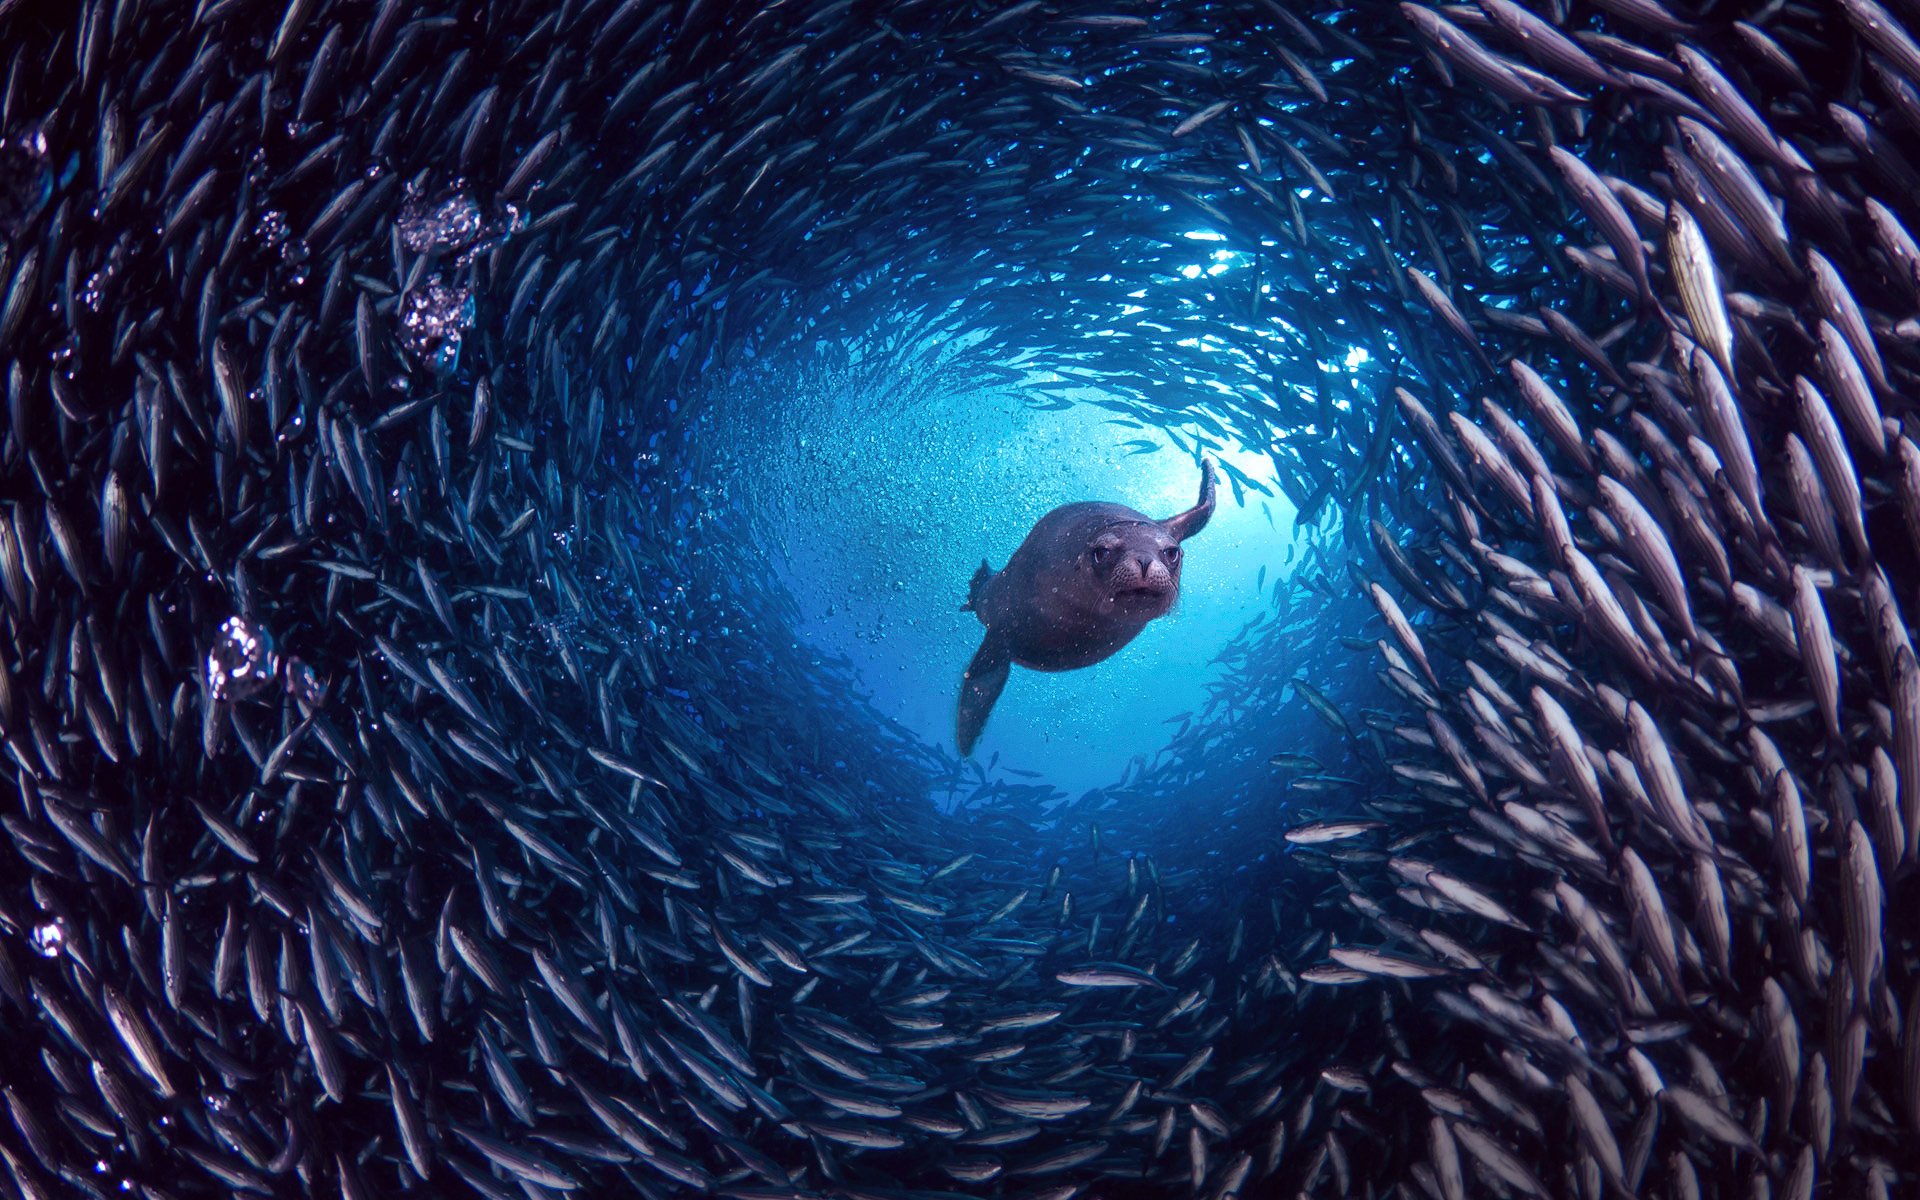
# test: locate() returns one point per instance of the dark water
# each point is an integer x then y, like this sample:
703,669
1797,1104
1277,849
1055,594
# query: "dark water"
487,493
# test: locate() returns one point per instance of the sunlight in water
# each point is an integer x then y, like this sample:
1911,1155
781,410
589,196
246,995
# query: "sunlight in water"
923,495
1174,480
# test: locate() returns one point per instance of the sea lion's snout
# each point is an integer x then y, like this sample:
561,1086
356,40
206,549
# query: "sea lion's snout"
1150,572
1144,578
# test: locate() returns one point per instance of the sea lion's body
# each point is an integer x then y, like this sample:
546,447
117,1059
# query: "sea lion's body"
1085,581
1035,605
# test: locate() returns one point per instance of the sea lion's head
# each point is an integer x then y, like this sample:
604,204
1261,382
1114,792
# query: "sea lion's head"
1136,564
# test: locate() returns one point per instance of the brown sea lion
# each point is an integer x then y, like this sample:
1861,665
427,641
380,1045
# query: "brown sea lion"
1085,581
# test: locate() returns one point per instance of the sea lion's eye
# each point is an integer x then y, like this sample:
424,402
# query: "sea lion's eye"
1100,554
1173,555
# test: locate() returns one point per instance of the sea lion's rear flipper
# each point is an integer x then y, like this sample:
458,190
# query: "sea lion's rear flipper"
976,588
986,675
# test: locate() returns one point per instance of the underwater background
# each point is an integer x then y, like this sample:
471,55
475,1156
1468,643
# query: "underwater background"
487,492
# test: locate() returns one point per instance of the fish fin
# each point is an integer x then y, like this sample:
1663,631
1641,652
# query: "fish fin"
976,588
986,675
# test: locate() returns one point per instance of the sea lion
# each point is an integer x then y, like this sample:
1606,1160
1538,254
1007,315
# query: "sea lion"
1085,581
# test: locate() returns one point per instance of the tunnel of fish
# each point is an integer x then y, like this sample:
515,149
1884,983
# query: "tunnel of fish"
414,792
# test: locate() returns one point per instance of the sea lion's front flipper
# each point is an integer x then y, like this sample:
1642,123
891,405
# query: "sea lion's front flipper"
986,675
977,589
1194,519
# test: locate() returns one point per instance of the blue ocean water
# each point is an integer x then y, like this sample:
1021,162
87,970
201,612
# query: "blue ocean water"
875,510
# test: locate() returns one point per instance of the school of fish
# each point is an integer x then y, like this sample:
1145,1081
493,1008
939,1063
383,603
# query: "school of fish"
413,789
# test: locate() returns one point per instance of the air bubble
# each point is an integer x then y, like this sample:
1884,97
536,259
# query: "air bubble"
241,661
432,319
305,683
448,224
49,938
275,232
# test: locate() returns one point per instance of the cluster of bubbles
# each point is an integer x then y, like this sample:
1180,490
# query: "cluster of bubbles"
274,232
242,663
433,316
49,938
451,223
93,293
436,312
